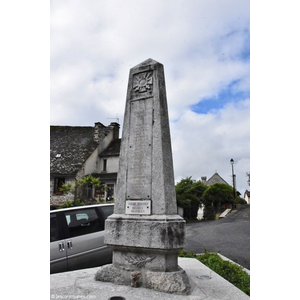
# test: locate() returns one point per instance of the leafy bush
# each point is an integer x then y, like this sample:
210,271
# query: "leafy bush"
67,204
240,200
76,202
183,253
216,194
209,212
81,190
188,195
228,270
231,272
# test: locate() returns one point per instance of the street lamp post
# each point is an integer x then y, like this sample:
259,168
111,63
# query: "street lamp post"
233,181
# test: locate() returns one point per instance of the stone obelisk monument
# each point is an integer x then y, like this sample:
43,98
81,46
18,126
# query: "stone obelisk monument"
145,231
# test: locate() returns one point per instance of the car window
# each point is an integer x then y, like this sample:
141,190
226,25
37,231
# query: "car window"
68,219
83,221
107,210
82,217
54,233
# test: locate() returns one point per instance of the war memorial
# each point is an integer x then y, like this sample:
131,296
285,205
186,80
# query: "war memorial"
145,231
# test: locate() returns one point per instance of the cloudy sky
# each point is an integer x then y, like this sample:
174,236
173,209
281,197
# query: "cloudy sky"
204,46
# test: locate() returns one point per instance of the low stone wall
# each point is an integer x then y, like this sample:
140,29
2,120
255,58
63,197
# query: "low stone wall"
56,200
60,199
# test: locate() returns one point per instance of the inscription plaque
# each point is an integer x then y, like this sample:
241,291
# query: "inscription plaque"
138,207
140,150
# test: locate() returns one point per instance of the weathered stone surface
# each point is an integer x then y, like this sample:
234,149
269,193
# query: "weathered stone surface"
156,231
145,231
146,130
81,283
168,282
139,160
154,260
136,279
109,273
176,282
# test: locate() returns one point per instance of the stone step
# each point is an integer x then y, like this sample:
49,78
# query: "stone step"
225,213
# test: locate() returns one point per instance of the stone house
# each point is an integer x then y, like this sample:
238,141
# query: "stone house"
216,178
77,151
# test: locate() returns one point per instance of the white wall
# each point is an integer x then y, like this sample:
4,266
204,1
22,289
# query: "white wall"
91,165
106,141
112,164
247,199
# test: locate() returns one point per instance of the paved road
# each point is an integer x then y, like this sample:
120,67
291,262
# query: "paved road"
229,236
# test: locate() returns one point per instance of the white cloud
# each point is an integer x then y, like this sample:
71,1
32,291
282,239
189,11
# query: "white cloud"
95,43
205,143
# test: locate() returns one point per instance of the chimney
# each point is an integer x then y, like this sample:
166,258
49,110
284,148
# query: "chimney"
99,132
203,179
115,126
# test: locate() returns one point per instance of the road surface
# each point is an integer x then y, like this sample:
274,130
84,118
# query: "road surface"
229,236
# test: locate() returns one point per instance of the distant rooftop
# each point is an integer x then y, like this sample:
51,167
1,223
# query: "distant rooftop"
113,149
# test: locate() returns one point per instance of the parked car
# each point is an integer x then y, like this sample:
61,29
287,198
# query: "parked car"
77,237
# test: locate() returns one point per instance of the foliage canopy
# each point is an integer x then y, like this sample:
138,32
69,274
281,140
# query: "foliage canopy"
216,195
188,195
80,190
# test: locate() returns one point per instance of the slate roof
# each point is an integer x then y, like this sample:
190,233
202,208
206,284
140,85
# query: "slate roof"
70,147
113,148
216,178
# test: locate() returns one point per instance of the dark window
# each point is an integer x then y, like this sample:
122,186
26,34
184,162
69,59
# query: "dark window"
99,191
110,192
107,210
58,182
54,233
83,221
104,165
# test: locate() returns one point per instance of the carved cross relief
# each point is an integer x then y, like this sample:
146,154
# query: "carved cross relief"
142,82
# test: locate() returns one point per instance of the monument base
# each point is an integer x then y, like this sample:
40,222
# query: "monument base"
150,232
176,282
149,258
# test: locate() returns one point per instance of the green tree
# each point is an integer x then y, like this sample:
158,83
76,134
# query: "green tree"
81,188
188,195
84,188
67,188
215,196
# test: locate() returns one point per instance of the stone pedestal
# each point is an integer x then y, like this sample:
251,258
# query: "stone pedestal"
145,232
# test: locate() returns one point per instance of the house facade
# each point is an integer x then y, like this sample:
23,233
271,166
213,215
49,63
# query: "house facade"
247,196
77,151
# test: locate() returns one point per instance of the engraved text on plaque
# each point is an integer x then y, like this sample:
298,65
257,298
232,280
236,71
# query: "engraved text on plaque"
138,207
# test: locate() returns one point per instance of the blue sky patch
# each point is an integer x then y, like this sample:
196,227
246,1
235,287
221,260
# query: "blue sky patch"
245,53
228,95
